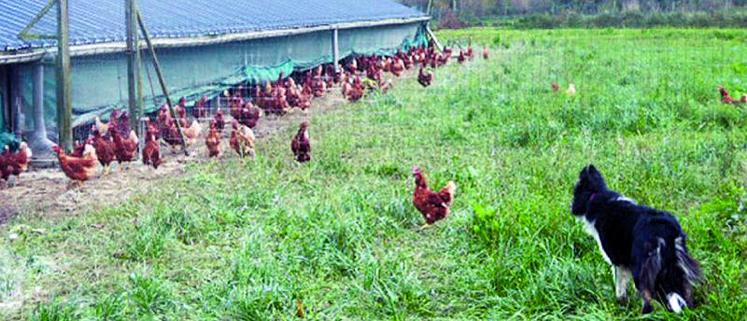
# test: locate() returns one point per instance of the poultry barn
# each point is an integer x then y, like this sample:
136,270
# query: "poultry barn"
204,47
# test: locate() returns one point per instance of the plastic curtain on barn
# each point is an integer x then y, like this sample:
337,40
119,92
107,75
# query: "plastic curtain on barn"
100,82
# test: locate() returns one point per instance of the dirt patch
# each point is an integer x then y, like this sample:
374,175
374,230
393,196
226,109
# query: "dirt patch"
46,193
7,212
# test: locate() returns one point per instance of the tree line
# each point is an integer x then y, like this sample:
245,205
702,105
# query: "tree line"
483,8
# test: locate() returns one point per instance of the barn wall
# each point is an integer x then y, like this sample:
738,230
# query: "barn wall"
100,82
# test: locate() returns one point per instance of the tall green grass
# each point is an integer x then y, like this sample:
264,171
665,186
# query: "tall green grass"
239,240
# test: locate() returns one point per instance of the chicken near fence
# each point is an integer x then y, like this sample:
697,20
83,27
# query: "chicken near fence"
14,163
100,125
242,140
192,133
220,121
398,67
200,108
104,147
355,91
78,148
119,120
212,141
152,149
250,115
125,149
77,169
170,135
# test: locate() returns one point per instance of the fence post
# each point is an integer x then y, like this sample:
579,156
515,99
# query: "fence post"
134,83
64,83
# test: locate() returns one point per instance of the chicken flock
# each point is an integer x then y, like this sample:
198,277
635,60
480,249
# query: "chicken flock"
116,141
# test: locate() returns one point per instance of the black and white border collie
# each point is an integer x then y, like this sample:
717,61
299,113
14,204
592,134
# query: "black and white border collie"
637,241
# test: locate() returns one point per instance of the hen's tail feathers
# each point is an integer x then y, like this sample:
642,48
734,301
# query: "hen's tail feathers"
133,137
451,189
89,151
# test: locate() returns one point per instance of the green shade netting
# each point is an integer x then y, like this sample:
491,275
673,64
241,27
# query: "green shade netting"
8,139
100,82
3,110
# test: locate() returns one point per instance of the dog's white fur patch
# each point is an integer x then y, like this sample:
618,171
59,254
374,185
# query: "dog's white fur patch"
593,232
676,302
622,277
625,199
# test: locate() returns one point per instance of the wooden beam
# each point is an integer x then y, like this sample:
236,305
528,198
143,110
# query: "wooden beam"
432,36
161,80
64,83
26,34
133,64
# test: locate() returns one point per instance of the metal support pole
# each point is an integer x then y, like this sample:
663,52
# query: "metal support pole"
5,96
16,102
134,85
39,142
336,48
161,80
64,83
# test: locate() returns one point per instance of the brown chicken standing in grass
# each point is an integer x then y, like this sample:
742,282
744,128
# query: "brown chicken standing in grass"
555,87
462,57
78,169
301,145
727,99
433,205
425,78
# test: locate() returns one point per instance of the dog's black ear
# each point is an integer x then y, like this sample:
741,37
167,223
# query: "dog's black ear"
596,180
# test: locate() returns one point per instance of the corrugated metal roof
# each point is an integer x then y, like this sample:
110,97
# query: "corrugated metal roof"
102,21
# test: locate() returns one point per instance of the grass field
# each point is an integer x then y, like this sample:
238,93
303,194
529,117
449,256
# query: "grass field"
247,241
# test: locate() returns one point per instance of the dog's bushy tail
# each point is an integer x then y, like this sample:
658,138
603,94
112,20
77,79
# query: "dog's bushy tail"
689,266
664,258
